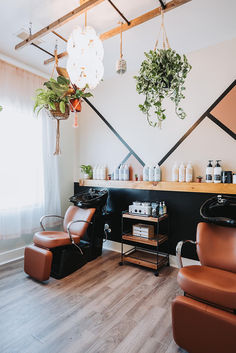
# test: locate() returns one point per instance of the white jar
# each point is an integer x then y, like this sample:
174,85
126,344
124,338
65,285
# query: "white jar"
182,172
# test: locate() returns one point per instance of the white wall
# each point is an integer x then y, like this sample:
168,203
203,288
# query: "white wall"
213,71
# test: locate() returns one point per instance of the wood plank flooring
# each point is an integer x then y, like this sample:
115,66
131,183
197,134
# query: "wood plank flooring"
101,308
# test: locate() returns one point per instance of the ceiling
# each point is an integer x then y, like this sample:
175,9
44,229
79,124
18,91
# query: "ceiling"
195,25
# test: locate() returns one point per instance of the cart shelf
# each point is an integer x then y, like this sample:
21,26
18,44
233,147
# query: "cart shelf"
161,238
147,259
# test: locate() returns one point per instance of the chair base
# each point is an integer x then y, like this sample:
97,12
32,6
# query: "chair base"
198,327
68,259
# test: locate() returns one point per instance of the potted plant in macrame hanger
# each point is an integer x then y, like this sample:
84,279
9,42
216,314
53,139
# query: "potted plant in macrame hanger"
58,98
162,75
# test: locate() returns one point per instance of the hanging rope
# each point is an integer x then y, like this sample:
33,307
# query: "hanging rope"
165,41
121,54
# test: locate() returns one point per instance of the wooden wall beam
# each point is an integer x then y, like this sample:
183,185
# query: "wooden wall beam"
58,23
133,23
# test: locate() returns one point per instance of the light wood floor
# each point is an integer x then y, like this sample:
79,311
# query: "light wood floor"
101,308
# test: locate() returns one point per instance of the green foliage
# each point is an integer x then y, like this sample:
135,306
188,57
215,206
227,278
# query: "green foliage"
162,74
87,169
55,92
1,108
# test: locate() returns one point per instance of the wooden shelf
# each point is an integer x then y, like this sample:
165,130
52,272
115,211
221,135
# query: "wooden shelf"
163,186
153,241
146,259
145,218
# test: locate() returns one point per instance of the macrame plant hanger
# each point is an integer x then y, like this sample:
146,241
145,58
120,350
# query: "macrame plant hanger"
165,41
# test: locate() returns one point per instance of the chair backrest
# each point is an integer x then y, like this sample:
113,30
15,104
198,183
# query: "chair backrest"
75,213
217,246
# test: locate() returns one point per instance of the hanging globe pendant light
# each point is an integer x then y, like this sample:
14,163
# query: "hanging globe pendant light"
85,55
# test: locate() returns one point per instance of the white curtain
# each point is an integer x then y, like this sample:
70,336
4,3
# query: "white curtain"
29,186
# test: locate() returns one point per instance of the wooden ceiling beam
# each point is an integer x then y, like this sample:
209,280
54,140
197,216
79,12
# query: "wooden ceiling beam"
133,23
88,5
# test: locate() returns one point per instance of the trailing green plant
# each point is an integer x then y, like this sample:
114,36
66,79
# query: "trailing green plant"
1,108
162,74
87,169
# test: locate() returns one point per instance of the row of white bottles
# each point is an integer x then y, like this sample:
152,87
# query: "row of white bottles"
182,173
121,172
99,172
152,173
213,174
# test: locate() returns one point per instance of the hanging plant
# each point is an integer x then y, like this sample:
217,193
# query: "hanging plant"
57,98
162,74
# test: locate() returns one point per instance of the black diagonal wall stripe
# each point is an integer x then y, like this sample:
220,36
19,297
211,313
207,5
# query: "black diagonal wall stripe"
114,131
222,126
207,112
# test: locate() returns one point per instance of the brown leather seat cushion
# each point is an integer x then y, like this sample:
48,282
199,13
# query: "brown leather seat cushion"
200,328
210,284
53,239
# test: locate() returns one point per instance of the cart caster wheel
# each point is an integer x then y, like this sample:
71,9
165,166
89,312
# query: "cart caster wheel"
156,274
121,263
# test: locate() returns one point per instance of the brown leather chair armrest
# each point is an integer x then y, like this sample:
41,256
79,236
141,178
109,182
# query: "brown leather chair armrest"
179,250
48,216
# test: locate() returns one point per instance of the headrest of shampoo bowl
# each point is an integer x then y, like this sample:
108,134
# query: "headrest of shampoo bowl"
220,209
90,198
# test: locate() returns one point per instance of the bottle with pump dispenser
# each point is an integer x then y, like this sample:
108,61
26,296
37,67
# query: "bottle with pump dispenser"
217,172
95,172
189,173
182,172
209,172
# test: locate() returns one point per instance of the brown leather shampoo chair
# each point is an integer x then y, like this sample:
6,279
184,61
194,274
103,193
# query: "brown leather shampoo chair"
204,319
39,257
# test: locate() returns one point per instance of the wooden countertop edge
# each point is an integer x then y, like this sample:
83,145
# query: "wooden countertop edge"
162,186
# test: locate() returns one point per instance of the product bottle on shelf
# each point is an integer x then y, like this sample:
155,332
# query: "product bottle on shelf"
94,172
116,173
164,207
126,172
209,172
175,172
146,173
189,173
217,172
151,173
160,209
103,172
157,173
182,172
121,172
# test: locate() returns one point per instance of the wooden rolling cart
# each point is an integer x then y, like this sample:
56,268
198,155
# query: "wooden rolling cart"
145,251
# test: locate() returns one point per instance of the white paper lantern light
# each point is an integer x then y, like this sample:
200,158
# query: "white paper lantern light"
85,55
